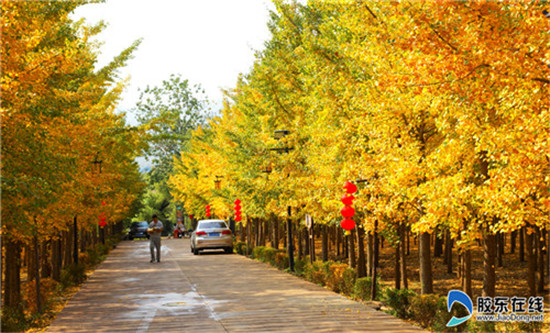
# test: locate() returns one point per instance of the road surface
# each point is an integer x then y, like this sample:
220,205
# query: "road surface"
212,292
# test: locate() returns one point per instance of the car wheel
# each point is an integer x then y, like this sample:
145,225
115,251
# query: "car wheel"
130,238
195,251
228,250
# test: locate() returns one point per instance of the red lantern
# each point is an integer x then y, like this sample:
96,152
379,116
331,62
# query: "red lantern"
350,187
348,200
102,220
208,211
347,224
103,203
347,211
238,214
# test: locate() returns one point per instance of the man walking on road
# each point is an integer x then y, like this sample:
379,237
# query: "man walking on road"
155,228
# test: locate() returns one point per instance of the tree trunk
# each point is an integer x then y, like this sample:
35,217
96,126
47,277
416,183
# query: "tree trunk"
67,246
397,267
522,244
268,235
370,253
374,272
361,267
402,259
351,244
300,237
407,233
540,266
376,246
329,234
438,244
257,232
290,241
37,272
31,272
449,252
345,248
324,242
242,232
513,241
75,241
312,241
275,233
46,270
56,259
426,278
531,263
500,248
306,242
285,236
83,240
248,235
12,274
467,257
338,243
489,275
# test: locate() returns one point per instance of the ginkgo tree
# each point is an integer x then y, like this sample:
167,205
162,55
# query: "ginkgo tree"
58,124
439,107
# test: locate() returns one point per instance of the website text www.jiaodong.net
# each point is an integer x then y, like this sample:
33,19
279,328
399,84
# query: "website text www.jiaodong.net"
511,317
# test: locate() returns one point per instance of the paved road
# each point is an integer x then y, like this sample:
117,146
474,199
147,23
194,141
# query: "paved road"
213,292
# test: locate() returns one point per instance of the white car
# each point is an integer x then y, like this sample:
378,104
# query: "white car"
211,234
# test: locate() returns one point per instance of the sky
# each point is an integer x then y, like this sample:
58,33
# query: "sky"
208,42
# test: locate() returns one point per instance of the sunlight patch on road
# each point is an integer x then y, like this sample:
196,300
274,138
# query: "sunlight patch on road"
169,304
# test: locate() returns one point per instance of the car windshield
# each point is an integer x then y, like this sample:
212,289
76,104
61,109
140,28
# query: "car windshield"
140,224
212,225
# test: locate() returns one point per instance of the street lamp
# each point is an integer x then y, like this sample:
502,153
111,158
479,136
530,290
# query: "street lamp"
290,244
218,181
97,163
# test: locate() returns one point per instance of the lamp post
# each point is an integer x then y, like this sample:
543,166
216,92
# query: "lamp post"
218,182
290,244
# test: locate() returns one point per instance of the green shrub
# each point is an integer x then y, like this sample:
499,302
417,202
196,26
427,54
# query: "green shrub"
300,266
480,326
341,278
94,256
520,326
424,308
281,260
48,287
257,252
74,274
269,256
240,248
362,288
398,300
315,273
103,249
14,320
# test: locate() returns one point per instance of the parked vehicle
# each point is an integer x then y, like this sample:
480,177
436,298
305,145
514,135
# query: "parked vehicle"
138,230
211,234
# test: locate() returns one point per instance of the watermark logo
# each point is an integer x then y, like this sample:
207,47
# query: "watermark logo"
457,296
497,308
